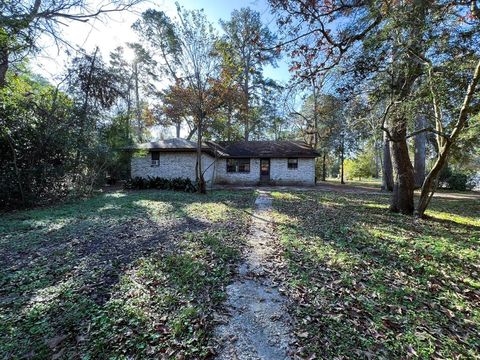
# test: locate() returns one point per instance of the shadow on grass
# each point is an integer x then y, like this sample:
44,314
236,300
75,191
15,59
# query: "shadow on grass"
60,265
379,283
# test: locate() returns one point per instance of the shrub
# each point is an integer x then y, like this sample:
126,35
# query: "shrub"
456,180
176,184
460,181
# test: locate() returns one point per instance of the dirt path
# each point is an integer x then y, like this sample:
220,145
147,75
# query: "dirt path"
258,325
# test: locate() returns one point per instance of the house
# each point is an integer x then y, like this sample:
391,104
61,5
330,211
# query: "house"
241,162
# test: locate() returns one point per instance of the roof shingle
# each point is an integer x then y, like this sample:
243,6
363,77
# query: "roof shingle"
283,148
268,149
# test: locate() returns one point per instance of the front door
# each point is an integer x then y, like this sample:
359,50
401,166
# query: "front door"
264,169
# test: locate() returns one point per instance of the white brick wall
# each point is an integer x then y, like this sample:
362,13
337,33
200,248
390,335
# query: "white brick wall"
177,164
251,178
172,165
281,174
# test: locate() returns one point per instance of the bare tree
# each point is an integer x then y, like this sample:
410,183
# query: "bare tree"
22,22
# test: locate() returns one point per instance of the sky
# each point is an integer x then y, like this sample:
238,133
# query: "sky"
116,31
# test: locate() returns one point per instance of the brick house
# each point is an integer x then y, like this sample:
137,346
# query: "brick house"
242,162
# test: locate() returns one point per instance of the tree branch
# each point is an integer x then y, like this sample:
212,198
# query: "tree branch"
429,129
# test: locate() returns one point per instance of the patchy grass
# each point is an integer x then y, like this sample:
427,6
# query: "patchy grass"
121,275
369,284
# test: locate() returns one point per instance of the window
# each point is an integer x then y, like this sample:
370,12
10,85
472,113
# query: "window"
238,165
293,163
155,158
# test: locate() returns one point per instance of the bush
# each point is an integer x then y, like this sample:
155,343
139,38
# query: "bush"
456,180
460,181
176,184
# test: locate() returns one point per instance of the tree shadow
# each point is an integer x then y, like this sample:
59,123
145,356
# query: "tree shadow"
54,278
372,273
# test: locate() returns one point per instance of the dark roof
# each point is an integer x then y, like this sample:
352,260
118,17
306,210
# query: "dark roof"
170,144
284,148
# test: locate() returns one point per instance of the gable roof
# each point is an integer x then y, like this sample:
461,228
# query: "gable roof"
283,148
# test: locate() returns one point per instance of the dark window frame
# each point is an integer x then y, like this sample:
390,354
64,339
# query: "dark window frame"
240,165
292,165
155,158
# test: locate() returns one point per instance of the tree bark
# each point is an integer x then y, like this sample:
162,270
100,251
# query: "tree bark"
387,171
3,66
342,160
378,157
405,72
192,132
444,144
420,142
324,166
177,128
315,114
429,185
402,199
202,189
246,90
138,112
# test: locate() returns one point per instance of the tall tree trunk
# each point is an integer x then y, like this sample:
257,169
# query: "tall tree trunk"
444,145
177,128
378,159
229,123
402,199
315,114
406,69
3,66
420,142
138,112
129,106
342,160
387,171
324,166
429,185
202,189
246,90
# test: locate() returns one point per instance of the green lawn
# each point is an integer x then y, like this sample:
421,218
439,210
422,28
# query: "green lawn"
118,275
139,275
369,284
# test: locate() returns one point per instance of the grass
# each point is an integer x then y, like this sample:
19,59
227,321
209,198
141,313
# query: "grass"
140,275
367,182
366,283
121,275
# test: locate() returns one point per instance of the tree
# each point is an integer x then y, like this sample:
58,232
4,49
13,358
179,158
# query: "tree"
387,170
22,22
393,41
195,92
420,144
446,140
90,85
249,42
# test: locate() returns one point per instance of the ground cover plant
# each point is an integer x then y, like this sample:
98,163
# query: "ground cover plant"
119,275
365,283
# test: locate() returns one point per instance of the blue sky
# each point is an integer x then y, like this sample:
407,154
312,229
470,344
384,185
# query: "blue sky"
115,31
